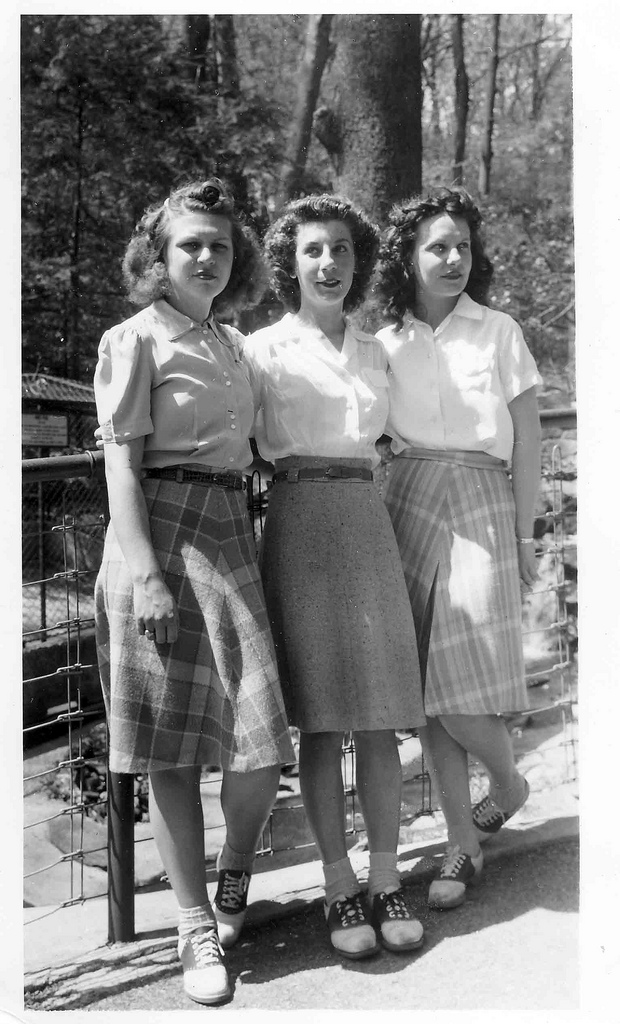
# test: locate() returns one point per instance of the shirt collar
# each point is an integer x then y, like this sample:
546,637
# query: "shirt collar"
467,307
176,325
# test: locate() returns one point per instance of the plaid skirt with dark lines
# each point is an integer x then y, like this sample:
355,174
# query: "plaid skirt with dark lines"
213,697
455,528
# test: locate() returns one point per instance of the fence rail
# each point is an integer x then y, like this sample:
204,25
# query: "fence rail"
65,514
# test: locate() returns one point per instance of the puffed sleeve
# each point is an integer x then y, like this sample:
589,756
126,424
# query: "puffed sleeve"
517,368
123,380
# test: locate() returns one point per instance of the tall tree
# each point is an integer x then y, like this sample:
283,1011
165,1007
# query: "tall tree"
313,62
461,98
226,56
371,124
486,153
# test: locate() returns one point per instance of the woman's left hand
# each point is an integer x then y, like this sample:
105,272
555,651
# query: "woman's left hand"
528,569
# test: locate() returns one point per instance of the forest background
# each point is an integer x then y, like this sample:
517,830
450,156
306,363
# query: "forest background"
116,109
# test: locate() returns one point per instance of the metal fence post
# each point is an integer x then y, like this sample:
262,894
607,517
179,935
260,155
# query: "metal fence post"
121,897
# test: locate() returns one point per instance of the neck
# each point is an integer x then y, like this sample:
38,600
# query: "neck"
331,323
198,313
433,311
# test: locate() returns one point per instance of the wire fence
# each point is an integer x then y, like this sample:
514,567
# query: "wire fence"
98,821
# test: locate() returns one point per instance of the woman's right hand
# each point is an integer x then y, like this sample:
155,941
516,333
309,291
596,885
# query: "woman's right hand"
156,611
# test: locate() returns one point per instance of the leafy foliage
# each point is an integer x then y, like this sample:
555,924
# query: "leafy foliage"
112,116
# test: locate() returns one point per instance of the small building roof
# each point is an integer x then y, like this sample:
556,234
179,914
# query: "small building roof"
44,387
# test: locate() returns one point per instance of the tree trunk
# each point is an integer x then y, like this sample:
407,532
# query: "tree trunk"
310,74
461,98
430,37
72,370
198,34
226,55
537,90
375,137
486,154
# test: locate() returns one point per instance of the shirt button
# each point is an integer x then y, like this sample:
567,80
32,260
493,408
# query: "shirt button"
228,384
233,416
225,373
231,459
233,426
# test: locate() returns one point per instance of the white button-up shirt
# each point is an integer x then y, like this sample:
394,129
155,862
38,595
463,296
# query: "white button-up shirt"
311,399
450,388
179,384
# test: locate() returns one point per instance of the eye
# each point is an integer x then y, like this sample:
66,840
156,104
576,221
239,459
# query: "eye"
464,246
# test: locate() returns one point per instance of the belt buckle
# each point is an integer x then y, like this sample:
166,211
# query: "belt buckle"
293,475
333,471
179,475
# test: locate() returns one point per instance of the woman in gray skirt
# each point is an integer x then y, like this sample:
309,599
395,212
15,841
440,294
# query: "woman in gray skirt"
462,408
185,652
334,585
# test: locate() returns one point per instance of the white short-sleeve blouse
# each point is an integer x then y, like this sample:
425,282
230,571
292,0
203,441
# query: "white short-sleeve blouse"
450,388
311,399
179,384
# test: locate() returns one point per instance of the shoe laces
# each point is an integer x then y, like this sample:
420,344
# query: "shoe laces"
350,911
206,948
233,890
487,812
452,862
395,906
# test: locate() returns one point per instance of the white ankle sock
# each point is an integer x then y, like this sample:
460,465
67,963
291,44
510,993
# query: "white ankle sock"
383,874
191,918
340,880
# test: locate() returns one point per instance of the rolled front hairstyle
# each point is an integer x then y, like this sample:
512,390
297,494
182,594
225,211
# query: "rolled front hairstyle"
144,270
281,244
395,282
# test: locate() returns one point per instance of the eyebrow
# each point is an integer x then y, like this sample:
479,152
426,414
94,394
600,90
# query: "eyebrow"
337,241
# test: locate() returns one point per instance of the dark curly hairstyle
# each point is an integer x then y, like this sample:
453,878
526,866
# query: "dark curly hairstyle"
281,243
144,270
395,283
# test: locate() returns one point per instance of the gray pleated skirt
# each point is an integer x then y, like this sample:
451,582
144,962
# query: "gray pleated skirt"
338,606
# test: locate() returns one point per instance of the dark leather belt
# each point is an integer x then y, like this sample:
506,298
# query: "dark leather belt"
292,476
195,476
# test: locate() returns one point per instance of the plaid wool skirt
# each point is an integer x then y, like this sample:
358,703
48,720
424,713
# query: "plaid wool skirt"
213,697
455,528
338,606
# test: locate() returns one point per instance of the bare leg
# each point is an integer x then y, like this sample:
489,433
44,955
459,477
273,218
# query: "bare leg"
322,789
247,799
175,809
488,739
448,762
379,784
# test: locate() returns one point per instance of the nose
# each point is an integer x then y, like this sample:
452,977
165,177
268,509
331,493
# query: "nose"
205,255
327,259
454,256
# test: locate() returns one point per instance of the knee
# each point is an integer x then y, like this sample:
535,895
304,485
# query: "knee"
375,741
324,745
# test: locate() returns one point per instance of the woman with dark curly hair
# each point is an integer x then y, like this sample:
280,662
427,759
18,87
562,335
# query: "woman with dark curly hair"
334,585
463,411
186,657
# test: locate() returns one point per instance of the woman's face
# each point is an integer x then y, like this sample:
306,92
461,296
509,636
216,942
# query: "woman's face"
441,258
199,256
324,263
